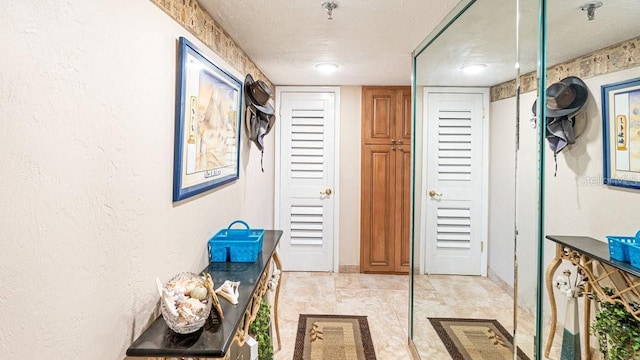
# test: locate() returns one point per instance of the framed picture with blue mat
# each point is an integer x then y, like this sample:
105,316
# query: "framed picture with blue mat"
207,129
621,133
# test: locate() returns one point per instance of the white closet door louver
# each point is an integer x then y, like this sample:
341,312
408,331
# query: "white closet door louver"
453,227
307,144
454,145
306,225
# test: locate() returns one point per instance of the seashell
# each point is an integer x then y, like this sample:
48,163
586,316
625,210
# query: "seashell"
186,314
189,284
194,305
199,292
169,301
229,291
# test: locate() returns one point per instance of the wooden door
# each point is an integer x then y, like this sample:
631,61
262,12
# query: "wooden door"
378,209
386,179
403,181
403,208
403,116
386,114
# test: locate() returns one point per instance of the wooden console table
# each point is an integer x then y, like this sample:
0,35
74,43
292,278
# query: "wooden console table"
214,340
592,257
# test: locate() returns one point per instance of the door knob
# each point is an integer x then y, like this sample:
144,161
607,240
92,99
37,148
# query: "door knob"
433,193
326,192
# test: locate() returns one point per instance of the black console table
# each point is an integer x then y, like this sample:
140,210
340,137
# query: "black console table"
214,340
592,257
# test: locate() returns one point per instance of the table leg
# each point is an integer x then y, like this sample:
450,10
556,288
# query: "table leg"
276,260
551,269
587,319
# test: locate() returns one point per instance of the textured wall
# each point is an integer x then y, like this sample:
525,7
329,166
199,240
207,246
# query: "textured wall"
577,203
87,92
350,130
192,17
624,55
502,188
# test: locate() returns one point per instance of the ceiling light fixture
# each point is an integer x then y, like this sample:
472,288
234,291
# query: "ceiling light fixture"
472,69
329,6
326,68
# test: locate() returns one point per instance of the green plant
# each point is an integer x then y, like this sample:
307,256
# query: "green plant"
617,330
260,329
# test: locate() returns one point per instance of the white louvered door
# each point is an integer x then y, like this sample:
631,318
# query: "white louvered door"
307,125
454,243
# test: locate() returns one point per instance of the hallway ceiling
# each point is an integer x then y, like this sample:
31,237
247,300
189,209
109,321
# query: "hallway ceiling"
371,40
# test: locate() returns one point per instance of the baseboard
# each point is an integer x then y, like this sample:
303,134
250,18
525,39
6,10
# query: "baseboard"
501,283
346,269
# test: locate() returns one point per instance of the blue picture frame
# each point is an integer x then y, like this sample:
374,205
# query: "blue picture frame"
621,133
207,127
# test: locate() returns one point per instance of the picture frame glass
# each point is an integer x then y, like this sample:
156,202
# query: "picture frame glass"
208,116
621,121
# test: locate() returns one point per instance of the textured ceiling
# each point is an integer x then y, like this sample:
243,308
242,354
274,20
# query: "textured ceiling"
485,33
371,40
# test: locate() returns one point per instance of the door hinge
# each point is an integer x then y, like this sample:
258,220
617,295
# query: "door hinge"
481,246
483,113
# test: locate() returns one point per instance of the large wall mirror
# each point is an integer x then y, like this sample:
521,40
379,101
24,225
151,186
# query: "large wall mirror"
475,228
588,49
491,185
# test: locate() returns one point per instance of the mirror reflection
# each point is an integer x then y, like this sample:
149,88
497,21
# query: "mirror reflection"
475,183
588,51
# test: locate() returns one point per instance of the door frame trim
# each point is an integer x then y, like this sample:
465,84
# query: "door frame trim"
484,231
336,170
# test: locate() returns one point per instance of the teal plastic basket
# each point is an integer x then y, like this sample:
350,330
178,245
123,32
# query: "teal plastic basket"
619,246
634,255
236,245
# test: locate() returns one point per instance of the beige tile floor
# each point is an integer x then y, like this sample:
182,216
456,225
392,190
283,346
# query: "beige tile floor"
464,297
384,300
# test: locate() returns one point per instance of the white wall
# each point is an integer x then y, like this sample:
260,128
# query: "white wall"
527,205
502,189
577,203
576,197
350,181
509,193
87,92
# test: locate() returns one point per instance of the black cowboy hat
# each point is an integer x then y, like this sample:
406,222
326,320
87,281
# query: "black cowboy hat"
566,119
565,97
257,93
